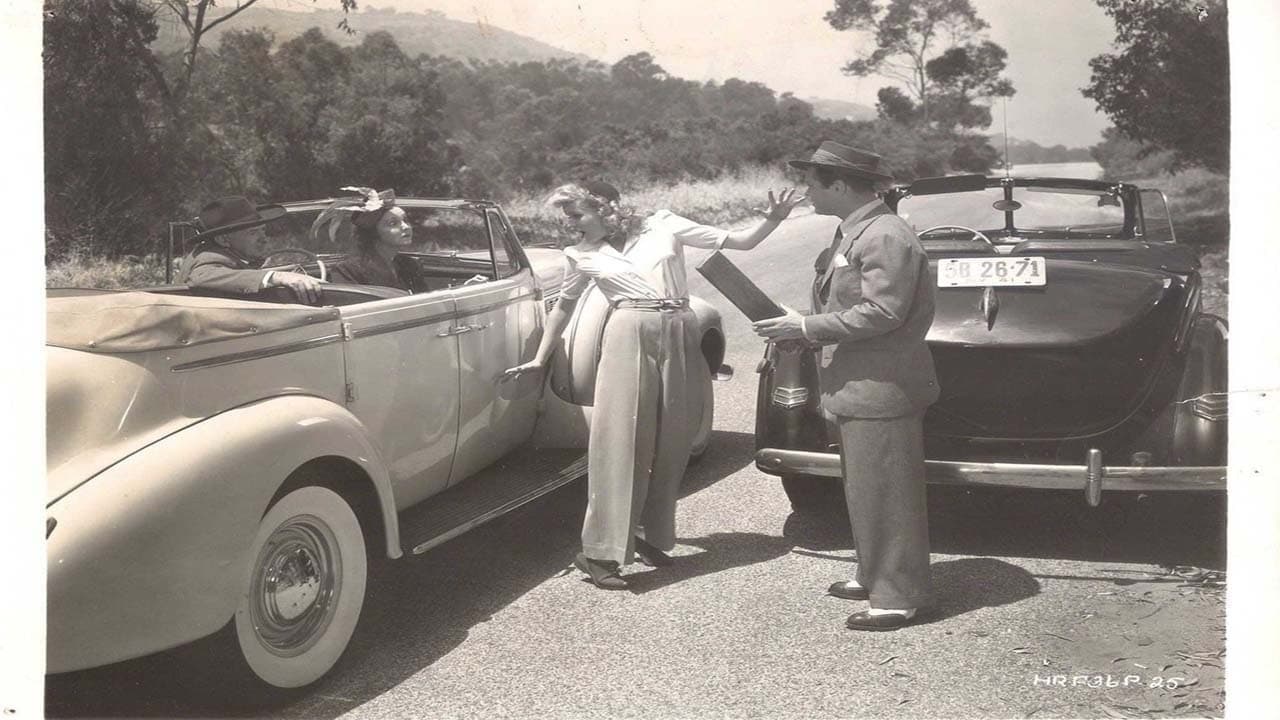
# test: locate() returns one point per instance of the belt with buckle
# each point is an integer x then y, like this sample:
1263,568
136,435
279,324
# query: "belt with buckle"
652,303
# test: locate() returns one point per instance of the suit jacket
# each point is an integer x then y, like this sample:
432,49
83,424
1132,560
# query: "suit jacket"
872,307
210,265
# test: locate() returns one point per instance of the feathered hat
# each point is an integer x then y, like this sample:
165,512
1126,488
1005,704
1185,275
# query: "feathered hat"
337,220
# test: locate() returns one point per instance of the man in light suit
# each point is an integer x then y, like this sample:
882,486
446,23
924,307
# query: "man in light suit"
230,243
872,306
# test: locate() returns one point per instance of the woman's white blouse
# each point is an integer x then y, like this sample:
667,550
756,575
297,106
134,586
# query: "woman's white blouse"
651,265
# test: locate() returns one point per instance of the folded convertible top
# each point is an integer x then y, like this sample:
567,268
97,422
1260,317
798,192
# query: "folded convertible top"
123,322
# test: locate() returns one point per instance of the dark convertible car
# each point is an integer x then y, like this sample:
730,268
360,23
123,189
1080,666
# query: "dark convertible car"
1069,341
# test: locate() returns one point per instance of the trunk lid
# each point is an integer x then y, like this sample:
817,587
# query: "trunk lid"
1072,358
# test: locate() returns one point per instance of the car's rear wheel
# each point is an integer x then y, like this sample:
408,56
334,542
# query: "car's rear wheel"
303,590
809,493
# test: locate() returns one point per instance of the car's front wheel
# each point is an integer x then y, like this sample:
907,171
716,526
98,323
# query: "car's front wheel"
302,593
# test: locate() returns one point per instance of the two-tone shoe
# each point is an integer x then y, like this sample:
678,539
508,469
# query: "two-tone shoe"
848,590
879,622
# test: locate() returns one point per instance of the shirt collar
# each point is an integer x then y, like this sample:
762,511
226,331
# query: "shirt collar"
862,213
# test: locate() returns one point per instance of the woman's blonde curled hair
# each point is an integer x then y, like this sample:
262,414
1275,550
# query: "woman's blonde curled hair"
603,199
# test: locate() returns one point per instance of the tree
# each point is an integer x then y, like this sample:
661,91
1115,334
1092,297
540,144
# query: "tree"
895,106
1169,84
912,35
104,172
964,74
197,20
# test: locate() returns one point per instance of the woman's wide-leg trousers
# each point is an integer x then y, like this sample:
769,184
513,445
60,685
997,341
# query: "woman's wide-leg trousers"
641,431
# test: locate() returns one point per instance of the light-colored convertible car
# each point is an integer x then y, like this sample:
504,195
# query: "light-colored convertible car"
223,465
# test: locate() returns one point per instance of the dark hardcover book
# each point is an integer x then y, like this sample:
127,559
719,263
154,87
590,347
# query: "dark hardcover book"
735,285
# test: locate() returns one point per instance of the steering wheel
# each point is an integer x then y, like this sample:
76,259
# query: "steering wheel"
324,273
976,233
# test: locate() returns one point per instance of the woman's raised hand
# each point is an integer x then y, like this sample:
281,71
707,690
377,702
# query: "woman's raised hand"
782,205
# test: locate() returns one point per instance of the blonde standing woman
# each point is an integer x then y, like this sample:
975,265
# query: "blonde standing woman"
637,459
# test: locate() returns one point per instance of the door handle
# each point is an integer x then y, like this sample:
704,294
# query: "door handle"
456,330
478,328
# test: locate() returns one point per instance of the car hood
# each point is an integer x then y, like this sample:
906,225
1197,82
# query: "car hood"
100,408
1080,303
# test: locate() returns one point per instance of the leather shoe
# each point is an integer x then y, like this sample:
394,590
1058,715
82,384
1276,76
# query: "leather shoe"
848,590
602,573
650,555
864,620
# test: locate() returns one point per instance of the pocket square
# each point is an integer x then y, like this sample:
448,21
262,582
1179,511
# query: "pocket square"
840,261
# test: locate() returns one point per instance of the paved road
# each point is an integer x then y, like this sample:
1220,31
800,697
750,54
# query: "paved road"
1040,599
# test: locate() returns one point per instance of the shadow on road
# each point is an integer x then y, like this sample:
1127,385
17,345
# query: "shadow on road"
968,584
721,551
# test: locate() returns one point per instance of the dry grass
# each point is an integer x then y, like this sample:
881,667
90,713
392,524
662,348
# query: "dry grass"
79,271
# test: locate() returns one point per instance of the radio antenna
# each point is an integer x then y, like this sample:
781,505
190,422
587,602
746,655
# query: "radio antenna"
1004,102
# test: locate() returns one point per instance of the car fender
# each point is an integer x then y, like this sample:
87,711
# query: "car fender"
150,553
1199,433
710,330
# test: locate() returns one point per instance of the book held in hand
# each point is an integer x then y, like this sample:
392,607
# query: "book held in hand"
738,288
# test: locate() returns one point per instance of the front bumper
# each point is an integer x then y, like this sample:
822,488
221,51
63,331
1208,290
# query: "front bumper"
1092,477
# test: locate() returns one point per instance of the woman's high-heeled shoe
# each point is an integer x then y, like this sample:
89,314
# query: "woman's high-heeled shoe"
650,555
603,573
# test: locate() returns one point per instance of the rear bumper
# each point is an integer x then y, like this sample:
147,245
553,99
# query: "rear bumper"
1092,477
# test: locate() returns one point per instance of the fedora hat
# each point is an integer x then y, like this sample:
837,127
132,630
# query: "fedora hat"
233,213
831,154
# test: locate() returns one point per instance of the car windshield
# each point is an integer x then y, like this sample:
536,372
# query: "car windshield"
1041,211
452,232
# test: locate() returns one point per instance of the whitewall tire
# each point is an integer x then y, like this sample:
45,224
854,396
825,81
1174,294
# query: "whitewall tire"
301,595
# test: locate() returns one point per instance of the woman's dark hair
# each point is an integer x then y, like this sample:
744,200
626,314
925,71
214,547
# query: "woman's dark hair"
365,230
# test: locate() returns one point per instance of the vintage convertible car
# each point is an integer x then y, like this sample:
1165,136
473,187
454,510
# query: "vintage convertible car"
1069,341
228,466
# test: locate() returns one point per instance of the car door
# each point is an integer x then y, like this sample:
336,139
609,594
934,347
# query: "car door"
498,307
402,359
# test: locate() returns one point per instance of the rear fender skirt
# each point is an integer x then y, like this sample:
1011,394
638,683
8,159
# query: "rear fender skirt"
150,553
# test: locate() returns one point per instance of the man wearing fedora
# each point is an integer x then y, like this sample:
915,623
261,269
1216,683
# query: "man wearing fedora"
872,304
231,238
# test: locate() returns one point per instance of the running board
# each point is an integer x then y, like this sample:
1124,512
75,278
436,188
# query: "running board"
522,476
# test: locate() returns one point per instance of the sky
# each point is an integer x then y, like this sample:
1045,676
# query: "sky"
789,47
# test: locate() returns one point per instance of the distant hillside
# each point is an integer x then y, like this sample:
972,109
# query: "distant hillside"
1026,152
429,32
828,109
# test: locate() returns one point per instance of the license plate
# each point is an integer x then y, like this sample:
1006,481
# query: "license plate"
984,271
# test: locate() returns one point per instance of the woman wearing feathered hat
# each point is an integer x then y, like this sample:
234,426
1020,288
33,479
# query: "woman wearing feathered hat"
639,442
381,231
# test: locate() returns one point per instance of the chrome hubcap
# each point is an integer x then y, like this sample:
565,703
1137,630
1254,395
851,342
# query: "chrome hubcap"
294,586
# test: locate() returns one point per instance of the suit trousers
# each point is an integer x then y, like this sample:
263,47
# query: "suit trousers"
882,460
641,431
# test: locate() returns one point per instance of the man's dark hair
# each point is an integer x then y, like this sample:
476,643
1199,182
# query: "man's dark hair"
828,175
